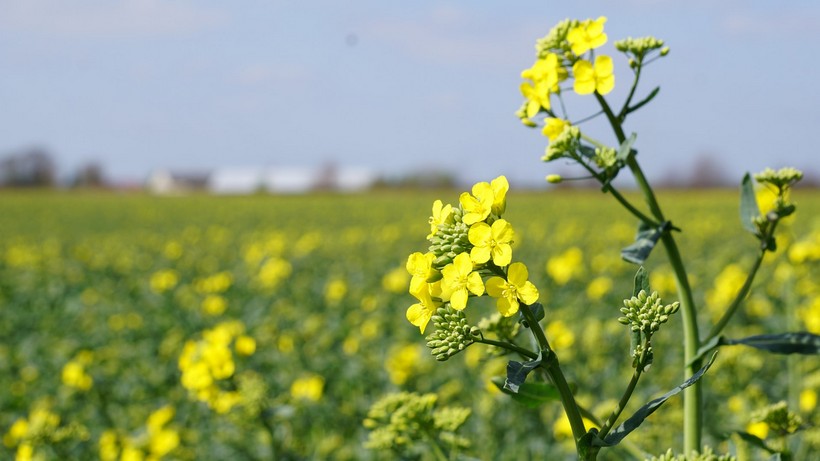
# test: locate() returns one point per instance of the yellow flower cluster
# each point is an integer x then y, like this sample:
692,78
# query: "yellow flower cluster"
209,361
74,374
470,243
152,444
24,433
568,44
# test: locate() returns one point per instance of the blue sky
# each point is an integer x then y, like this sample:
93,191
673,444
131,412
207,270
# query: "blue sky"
396,86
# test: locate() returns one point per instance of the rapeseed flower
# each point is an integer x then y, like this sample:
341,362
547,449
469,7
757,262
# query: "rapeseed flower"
589,78
515,289
544,76
442,214
500,186
478,205
491,242
420,267
586,36
554,127
419,314
459,280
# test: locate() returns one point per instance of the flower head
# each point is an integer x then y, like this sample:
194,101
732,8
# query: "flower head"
459,281
587,35
442,214
554,127
419,314
478,205
512,291
420,266
500,186
589,78
491,242
544,76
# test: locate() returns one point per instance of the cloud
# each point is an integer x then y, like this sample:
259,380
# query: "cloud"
106,19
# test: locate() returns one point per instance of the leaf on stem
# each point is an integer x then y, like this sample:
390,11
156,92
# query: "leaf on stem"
645,241
537,312
620,432
641,282
517,372
643,102
626,148
748,204
531,395
778,343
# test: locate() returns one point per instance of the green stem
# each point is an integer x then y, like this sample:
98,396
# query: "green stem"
625,109
741,295
616,413
510,347
692,396
553,370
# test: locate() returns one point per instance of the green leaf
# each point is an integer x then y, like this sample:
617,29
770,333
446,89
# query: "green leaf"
641,282
626,148
537,311
517,372
782,343
778,343
755,441
645,100
531,395
645,241
620,432
748,204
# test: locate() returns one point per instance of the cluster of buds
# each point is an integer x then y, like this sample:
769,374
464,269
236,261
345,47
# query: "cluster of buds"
706,455
398,421
644,314
449,239
781,180
453,334
639,48
779,419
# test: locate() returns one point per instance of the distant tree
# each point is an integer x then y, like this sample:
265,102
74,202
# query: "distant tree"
90,175
32,167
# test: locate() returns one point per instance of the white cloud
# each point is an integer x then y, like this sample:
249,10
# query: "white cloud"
106,19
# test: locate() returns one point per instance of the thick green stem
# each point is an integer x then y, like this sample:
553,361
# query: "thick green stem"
692,396
553,370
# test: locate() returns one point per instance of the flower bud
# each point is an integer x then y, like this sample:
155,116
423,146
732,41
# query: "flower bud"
554,178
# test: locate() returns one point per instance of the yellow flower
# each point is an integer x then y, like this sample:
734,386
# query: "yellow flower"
589,79
544,75
808,400
564,267
420,267
441,214
587,35
245,345
164,280
419,314
395,280
758,429
500,186
335,291
553,127
74,375
478,205
491,241
214,305
458,280
308,388
599,287
516,288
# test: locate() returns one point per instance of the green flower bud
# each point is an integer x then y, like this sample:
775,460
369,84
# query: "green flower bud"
453,334
554,178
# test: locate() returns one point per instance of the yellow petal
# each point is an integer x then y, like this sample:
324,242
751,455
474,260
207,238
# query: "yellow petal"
502,254
603,66
496,287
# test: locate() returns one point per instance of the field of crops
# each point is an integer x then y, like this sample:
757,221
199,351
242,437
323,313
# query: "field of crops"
264,327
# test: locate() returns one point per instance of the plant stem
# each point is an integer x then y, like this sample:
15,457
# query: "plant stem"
553,370
741,295
510,347
692,396
616,413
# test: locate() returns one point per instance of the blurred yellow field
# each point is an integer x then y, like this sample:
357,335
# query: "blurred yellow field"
264,327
